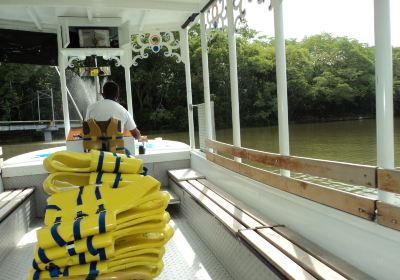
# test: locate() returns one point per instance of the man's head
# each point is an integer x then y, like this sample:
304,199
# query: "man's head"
111,90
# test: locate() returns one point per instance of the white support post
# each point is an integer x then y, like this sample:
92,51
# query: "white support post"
233,76
127,63
206,75
186,59
384,90
62,62
281,82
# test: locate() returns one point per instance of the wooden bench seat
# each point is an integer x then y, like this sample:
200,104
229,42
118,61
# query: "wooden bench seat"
292,255
10,200
16,213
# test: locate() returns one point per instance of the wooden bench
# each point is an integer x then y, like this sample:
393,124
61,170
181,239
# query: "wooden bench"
293,256
16,211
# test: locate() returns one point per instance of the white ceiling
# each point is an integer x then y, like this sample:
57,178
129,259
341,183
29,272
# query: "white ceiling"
42,15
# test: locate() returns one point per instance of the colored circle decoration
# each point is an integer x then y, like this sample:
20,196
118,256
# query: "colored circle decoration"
155,40
156,49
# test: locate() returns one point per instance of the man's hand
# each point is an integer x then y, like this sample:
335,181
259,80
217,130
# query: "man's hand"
143,139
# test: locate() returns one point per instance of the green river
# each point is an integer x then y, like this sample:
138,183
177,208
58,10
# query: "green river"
347,141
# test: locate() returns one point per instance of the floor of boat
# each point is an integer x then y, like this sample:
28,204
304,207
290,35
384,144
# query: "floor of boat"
186,257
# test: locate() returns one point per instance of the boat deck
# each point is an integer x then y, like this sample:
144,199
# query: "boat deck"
186,257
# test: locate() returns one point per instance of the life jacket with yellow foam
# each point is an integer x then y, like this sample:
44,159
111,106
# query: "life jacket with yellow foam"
143,265
62,232
100,161
65,181
109,139
103,246
141,199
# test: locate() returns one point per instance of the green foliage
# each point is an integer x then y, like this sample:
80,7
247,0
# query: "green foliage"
327,77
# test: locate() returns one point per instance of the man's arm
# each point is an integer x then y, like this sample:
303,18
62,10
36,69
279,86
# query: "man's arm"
136,134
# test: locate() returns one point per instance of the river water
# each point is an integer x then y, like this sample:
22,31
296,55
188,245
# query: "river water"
347,141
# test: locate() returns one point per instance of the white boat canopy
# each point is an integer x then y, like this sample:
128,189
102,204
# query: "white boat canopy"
142,15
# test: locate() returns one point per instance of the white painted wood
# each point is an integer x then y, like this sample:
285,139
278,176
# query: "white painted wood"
127,63
384,90
34,17
233,76
93,51
62,63
281,81
187,6
184,39
368,246
206,74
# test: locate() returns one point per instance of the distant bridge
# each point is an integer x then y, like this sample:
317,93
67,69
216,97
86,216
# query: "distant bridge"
45,126
36,125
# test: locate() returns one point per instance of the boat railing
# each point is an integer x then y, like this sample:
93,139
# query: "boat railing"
257,166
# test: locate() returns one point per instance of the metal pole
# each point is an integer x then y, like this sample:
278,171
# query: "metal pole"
186,59
233,77
71,98
97,81
384,90
127,63
281,82
63,82
206,75
38,104
52,102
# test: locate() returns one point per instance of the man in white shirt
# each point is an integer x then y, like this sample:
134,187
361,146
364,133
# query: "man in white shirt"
108,108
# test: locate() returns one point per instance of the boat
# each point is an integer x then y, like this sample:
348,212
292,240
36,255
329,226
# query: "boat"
233,217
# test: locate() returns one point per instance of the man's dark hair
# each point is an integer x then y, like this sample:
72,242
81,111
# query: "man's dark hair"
111,90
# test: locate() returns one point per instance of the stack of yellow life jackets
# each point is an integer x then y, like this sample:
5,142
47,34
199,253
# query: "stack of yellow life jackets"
105,219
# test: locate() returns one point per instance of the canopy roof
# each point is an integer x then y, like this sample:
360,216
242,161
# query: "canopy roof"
142,15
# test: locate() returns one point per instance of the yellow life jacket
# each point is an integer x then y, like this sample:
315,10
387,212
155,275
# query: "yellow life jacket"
109,139
87,200
64,181
103,246
141,265
59,234
68,161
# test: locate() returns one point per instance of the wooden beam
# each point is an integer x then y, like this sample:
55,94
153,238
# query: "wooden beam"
235,212
388,215
34,18
355,174
273,255
115,4
351,203
239,205
304,259
232,224
337,264
389,180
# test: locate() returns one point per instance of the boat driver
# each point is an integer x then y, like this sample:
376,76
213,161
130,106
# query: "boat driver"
109,107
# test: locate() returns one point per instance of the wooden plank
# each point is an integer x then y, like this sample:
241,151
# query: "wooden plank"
230,199
9,197
14,203
389,180
173,199
232,224
323,255
184,174
355,174
351,203
235,212
4,194
279,260
304,259
388,215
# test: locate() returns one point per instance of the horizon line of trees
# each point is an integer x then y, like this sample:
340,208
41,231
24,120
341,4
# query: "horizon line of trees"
327,78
